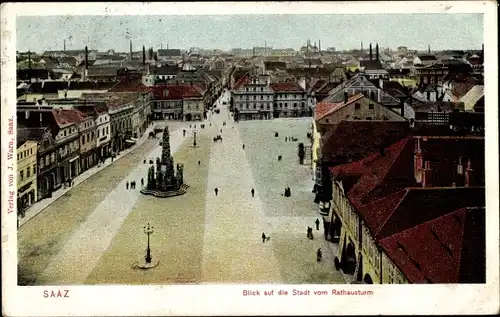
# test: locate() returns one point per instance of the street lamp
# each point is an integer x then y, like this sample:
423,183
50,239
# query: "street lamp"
148,230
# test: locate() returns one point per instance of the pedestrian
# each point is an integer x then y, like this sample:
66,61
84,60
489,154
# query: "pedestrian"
142,181
199,162
243,146
317,224
127,184
263,237
285,139
253,192
319,254
216,191
279,158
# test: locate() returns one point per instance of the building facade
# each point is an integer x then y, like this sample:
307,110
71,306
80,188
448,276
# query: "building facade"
253,99
26,174
290,100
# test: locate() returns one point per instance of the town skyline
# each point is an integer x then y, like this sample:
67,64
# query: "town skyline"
226,32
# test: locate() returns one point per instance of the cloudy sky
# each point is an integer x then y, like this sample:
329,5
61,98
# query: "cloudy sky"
441,31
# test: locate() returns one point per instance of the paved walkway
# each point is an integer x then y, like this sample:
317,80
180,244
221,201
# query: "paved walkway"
38,207
233,250
88,243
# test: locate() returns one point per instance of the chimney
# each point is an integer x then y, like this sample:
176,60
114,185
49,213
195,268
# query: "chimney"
429,48
427,180
319,45
370,51
143,55
361,47
86,57
64,45
376,51
346,96
417,161
468,174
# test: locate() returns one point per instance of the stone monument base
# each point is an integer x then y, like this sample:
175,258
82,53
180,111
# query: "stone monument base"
165,194
145,265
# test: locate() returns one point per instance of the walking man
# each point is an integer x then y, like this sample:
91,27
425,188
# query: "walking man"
243,146
142,181
199,162
253,192
317,224
216,191
263,237
319,254
127,184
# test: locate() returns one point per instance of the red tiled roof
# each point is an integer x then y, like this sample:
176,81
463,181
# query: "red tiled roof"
291,86
413,206
68,116
439,251
351,141
374,170
240,82
336,106
322,109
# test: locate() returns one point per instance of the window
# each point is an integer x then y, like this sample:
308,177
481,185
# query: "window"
302,104
254,106
18,156
47,159
357,106
261,97
98,133
107,130
41,163
246,105
21,176
261,88
253,97
53,157
371,106
34,168
261,106
31,151
295,105
83,139
28,172
286,105
267,107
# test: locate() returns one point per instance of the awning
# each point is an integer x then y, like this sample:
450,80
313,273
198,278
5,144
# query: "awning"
74,159
130,141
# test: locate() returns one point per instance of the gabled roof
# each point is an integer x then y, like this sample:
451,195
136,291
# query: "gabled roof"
166,70
443,249
130,85
333,107
413,206
350,141
375,180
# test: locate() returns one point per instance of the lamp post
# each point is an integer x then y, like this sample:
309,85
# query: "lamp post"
148,230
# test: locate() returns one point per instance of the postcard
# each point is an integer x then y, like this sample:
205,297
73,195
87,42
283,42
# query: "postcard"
248,158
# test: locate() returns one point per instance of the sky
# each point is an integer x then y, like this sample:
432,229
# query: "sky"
346,31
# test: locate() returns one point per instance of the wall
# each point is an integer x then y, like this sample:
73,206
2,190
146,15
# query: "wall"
26,164
371,256
350,112
390,273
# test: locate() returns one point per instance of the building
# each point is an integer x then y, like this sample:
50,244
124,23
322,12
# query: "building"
411,186
67,143
102,135
88,138
356,107
360,83
26,170
424,60
290,100
253,98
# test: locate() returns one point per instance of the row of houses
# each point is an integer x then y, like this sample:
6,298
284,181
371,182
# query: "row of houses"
400,184
59,140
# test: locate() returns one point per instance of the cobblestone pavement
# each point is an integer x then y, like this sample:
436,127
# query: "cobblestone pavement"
94,234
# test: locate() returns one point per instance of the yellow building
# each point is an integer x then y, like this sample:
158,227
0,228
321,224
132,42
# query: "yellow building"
315,148
408,82
26,174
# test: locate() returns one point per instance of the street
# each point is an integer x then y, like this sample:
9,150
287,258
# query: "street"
94,233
